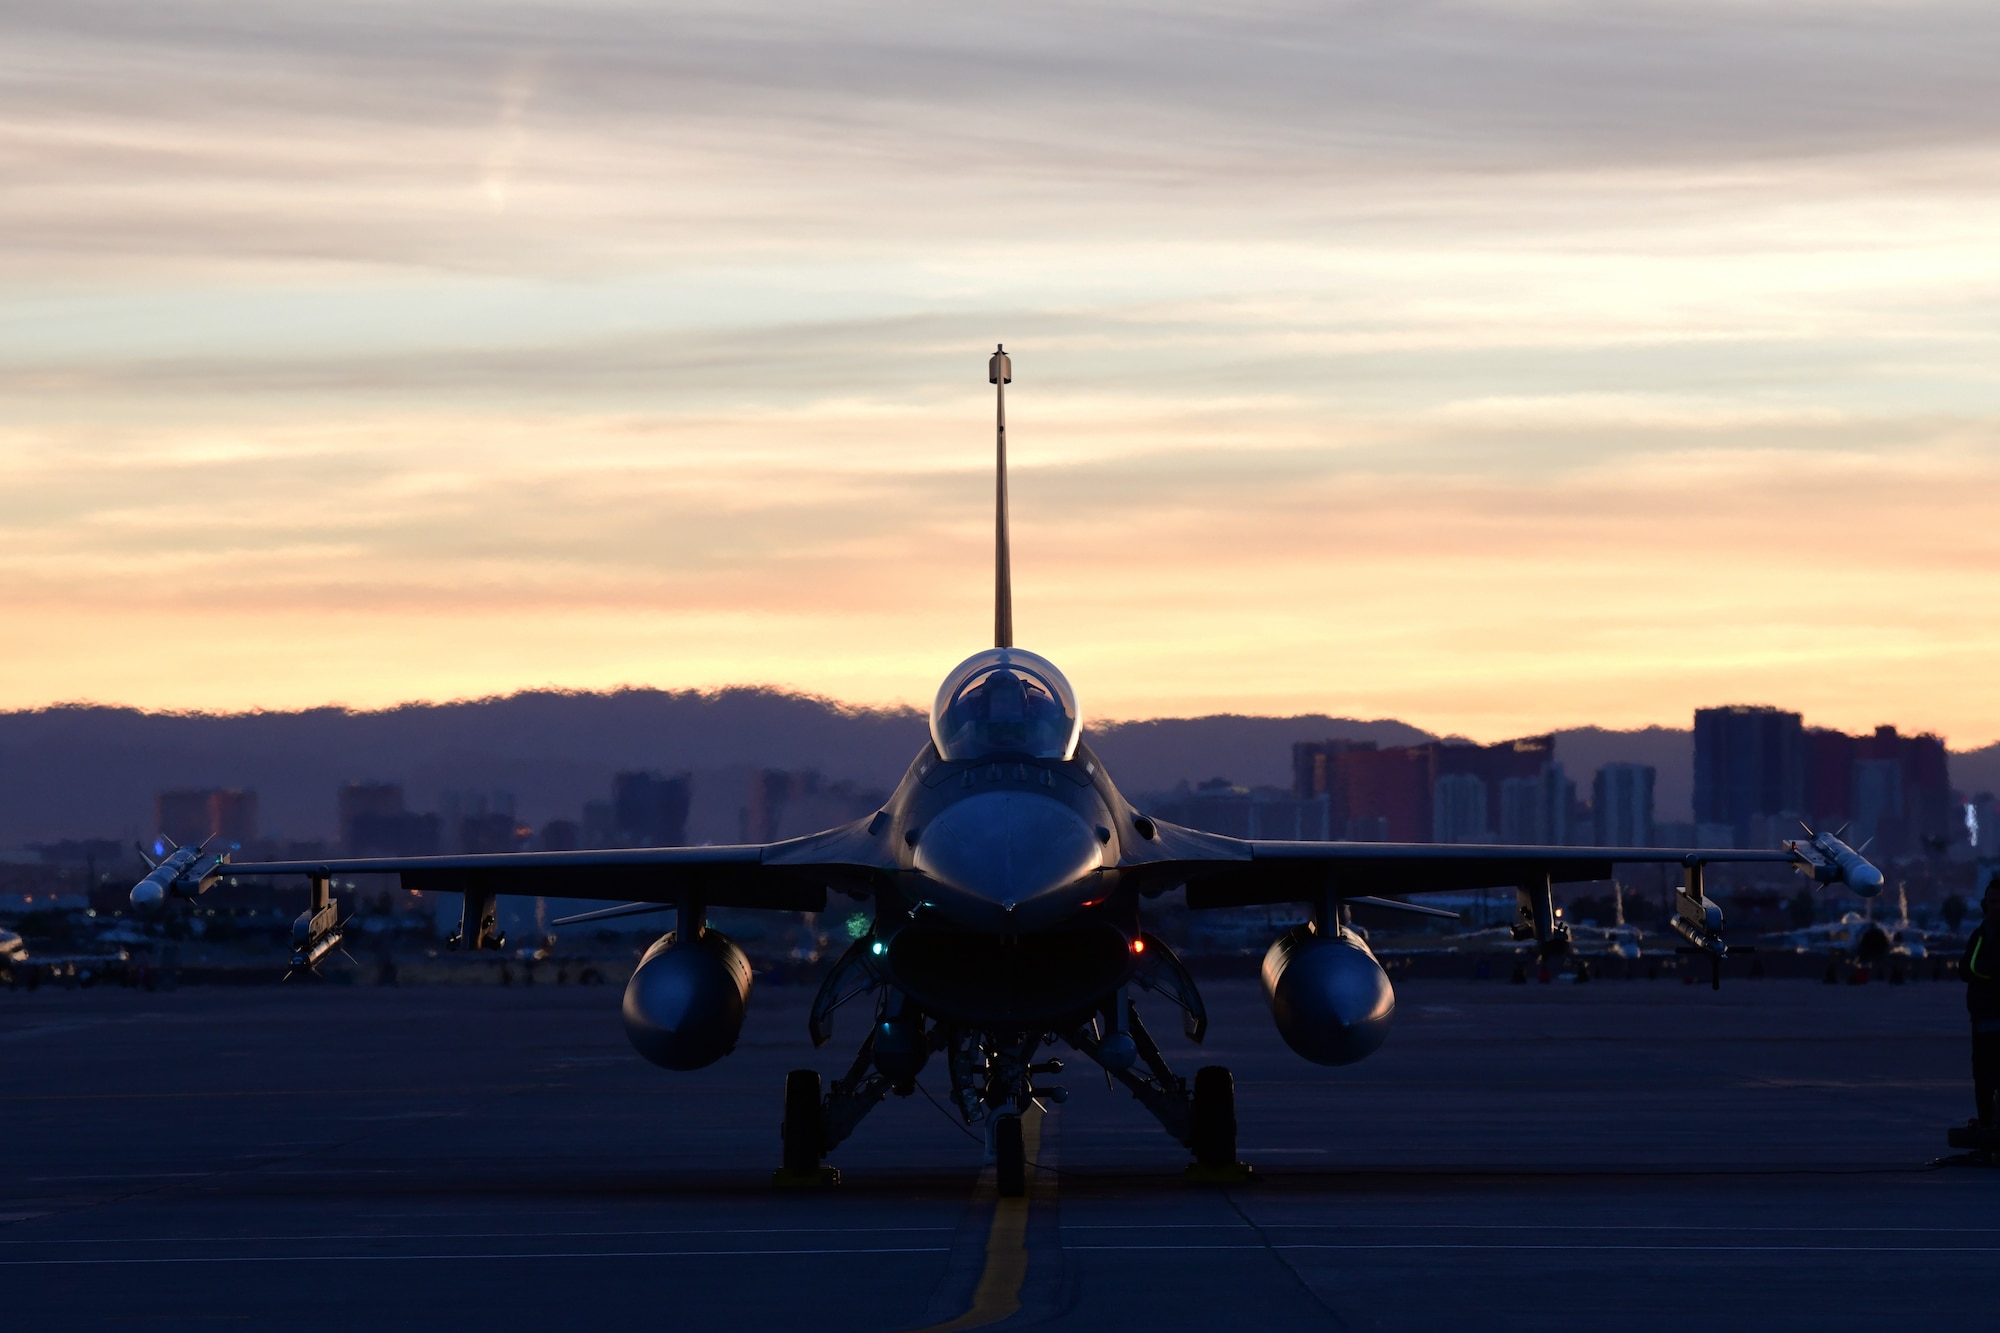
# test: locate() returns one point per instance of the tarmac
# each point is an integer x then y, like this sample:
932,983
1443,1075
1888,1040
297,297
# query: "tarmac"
1618,1154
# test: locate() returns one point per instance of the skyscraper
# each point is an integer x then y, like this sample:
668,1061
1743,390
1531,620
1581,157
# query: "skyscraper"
191,815
1458,809
1622,805
650,810
1748,761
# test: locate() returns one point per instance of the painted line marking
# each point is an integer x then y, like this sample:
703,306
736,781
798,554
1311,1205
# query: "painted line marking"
1522,1226
1579,1249
466,1090
498,1254
998,1295
472,1235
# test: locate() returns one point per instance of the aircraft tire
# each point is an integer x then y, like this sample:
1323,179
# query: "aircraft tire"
804,1126
1010,1157
1214,1117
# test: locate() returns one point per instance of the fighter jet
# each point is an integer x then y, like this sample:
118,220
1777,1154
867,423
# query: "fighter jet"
1006,883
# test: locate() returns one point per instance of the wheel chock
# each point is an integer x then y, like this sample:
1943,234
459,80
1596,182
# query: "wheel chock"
805,1179
1974,1136
825,1175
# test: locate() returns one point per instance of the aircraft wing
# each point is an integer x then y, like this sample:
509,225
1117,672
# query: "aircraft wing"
793,875
1243,872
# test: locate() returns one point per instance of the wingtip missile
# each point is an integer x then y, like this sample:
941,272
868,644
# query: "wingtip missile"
1831,861
186,872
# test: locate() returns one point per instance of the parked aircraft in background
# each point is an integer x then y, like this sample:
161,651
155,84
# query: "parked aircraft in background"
1859,936
1005,880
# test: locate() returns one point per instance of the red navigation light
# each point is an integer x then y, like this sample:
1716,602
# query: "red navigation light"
1138,946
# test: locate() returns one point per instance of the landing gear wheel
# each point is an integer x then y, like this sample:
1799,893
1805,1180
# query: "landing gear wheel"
804,1127
1010,1157
1214,1117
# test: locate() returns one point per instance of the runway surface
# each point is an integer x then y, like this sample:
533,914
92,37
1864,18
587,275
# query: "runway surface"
1622,1153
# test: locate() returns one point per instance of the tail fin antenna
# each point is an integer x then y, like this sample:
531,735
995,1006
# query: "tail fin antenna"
1000,373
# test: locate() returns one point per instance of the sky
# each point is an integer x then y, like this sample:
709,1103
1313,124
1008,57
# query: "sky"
1496,367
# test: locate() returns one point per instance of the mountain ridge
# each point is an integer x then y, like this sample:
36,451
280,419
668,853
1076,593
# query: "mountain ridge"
83,770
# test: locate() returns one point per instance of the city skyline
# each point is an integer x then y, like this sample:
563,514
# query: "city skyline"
1500,369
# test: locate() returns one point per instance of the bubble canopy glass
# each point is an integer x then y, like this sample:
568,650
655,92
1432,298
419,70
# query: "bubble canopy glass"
1005,701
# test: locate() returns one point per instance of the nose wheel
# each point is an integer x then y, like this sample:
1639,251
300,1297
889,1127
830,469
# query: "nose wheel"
1010,1157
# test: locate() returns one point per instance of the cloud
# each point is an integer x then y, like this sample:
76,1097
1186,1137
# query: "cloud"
1493,365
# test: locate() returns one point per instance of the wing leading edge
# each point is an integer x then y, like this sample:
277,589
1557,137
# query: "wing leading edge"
1236,872
794,875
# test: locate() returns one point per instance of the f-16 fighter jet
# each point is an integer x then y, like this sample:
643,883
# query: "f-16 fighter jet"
1004,881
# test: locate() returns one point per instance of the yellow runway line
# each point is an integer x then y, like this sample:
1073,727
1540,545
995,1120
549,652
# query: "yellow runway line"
999,1292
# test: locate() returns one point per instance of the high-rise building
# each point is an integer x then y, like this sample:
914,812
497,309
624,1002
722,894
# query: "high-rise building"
196,814
1622,805
1537,809
1829,774
1758,772
1982,824
1458,809
1748,761
1377,793
369,801
1902,794
649,809
600,824
785,803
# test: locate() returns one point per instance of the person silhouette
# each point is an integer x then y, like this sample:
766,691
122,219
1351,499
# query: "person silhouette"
1980,970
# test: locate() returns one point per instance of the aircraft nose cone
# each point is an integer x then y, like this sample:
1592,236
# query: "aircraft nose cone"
1008,861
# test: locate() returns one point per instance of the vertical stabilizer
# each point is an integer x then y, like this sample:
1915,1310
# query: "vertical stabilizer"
1000,372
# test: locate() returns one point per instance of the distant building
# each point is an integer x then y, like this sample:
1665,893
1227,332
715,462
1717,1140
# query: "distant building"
561,835
481,822
1458,809
1829,774
1674,833
1373,794
1982,824
650,810
1748,761
491,831
1392,793
789,803
1621,801
600,824
1902,794
1537,809
404,833
1219,806
363,811
1887,787
193,815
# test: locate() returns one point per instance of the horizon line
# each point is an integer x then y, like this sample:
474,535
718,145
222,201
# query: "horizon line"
846,707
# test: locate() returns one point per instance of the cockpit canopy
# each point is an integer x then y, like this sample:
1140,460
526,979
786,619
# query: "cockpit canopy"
1005,701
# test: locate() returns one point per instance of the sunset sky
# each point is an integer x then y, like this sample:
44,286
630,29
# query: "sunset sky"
1496,367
